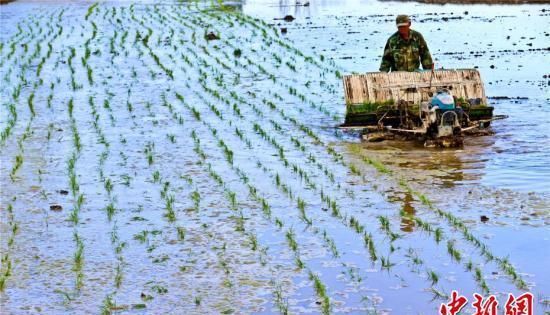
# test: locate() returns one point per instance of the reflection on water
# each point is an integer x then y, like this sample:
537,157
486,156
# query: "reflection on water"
515,157
407,223
444,168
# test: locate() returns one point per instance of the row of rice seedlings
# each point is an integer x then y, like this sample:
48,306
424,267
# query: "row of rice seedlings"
280,300
78,260
16,166
301,205
479,277
87,54
91,10
6,262
385,226
78,200
72,55
175,115
111,210
95,123
149,152
331,244
19,157
321,291
76,136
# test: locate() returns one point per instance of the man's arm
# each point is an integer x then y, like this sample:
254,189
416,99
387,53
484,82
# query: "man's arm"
425,56
387,59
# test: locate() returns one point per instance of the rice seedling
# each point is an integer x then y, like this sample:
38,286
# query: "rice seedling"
91,10
107,305
291,239
149,153
181,233
354,223
171,137
369,242
455,254
118,276
108,186
266,208
16,166
110,210
89,74
164,190
321,291
156,177
170,213
126,179
30,102
159,289
196,198
280,301
469,265
438,235
302,209
73,183
142,236
411,254
384,223
73,216
386,263
433,277
232,196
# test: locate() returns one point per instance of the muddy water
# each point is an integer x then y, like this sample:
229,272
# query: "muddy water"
253,128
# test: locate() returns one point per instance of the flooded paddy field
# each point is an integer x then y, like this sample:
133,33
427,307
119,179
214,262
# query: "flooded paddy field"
178,158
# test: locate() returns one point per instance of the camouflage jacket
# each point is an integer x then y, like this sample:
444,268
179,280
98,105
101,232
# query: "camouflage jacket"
402,55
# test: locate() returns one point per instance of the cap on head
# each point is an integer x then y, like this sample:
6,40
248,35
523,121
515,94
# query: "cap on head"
402,20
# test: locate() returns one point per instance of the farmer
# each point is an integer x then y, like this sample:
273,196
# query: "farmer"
406,49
